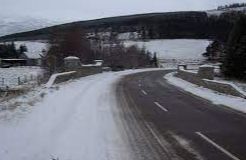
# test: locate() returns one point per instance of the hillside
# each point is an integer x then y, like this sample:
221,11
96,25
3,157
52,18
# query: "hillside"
150,26
170,25
14,24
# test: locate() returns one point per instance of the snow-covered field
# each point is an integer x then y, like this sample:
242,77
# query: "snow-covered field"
34,48
175,51
215,97
10,75
75,122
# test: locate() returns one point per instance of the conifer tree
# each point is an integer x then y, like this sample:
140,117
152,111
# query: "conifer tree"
234,64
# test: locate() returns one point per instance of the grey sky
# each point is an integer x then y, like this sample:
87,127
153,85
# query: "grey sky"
69,10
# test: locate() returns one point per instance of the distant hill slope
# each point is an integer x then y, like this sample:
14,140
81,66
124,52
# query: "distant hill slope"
14,24
171,25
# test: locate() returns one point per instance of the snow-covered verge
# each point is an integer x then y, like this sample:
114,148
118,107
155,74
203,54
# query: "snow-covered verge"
9,76
77,121
215,97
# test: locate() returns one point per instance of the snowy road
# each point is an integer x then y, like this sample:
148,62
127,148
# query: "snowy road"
192,127
75,122
112,116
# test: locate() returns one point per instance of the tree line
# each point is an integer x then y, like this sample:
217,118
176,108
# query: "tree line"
75,43
232,53
234,5
9,50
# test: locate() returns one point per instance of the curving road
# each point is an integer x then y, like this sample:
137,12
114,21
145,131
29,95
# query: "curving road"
164,122
117,116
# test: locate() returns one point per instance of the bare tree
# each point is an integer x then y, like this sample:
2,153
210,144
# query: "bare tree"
73,42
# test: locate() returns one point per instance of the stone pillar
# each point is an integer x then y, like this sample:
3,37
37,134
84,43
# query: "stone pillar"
182,66
206,72
72,63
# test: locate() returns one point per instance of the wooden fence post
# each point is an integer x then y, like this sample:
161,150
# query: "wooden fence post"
25,80
19,81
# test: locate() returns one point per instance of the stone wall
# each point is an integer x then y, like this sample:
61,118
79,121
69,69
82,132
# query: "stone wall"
61,77
88,70
73,69
222,87
77,73
65,77
189,76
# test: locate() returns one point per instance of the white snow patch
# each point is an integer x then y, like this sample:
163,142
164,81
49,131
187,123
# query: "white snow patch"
236,103
128,36
174,48
206,66
71,57
187,145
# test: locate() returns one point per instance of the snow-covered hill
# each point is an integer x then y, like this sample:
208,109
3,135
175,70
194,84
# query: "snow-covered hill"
15,24
219,12
174,48
172,52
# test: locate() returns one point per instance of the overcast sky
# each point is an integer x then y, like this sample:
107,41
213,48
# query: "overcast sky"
70,10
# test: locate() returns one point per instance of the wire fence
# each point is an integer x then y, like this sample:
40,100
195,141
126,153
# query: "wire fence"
6,83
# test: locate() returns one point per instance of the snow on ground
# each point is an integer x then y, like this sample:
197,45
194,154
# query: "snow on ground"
128,35
34,48
10,75
174,51
75,122
215,97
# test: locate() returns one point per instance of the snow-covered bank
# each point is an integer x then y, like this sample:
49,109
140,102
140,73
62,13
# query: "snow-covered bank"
77,121
215,97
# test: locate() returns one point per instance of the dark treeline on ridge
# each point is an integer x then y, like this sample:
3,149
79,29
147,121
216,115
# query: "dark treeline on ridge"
192,25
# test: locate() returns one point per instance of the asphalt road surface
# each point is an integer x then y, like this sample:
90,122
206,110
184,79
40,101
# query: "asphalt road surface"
164,122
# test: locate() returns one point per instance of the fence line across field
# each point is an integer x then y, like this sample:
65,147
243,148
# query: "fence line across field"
8,82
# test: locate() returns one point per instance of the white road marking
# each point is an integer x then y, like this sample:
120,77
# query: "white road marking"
160,106
139,85
217,146
145,93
